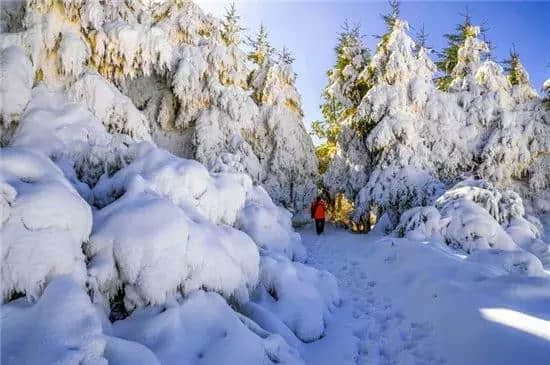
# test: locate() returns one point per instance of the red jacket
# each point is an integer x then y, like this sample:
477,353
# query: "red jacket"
318,209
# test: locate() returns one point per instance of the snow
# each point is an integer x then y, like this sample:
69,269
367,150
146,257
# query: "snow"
150,177
269,226
483,127
62,327
16,80
187,71
412,302
44,223
300,296
203,328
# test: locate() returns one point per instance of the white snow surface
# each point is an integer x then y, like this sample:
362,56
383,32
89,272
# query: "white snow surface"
420,302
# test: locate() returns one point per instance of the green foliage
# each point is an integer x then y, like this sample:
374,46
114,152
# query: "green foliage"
231,27
449,56
285,56
261,48
350,86
390,18
514,69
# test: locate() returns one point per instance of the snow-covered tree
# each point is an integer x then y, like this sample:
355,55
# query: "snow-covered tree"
407,130
274,90
345,90
465,38
231,26
99,103
183,70
261,47
519,78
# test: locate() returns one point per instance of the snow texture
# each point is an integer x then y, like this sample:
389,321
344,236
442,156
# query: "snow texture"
167,72
404,128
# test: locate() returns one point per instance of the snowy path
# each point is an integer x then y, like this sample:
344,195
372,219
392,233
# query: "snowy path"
411,302
367,328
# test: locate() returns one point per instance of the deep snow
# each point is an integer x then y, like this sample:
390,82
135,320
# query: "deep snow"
410,302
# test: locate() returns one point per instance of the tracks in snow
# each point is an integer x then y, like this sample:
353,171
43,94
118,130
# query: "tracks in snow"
383,334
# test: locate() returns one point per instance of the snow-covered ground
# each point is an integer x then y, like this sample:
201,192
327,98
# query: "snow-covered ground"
410,302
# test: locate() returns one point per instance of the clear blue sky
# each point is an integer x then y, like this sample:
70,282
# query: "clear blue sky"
309,29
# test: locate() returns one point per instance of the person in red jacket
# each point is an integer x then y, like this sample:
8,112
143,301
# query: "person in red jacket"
318,213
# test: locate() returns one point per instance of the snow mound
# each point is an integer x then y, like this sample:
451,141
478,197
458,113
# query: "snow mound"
203,328
179,239
43,224
394,190
269,226
474,216
62,327
114,109
301,296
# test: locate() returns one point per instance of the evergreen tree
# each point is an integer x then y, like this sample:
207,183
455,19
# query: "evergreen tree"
285,56
449,58
393,15
513,67
231,28
421,39
344,92
261,48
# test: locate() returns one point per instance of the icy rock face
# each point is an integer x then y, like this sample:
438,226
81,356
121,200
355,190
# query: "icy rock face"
483,126
167,72
474,216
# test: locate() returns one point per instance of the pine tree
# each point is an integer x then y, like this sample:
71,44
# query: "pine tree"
285,56
421,39
344,91
393,15
513,67
231,28
449,58
261,48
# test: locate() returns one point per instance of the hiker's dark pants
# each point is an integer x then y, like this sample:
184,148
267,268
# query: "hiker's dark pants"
319,225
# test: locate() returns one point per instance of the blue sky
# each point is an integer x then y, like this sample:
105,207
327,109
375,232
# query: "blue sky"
309,29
